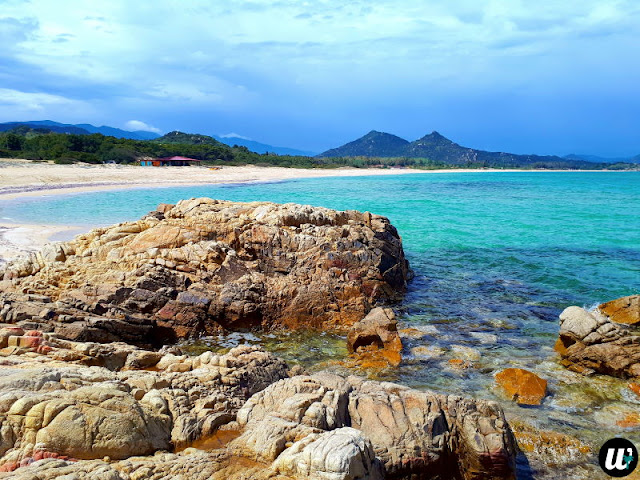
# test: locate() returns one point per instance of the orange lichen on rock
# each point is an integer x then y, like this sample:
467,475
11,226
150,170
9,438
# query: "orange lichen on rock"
376,335
624,310
522,386
631,420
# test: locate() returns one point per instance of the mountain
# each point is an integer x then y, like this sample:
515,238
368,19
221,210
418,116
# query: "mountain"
118,133
597,159
373,144
81,129
23,128
259,147
188,138
439,149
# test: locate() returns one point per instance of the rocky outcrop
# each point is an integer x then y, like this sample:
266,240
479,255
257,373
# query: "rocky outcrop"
522,386
414,434
376,335
625,310
204,265
590,342
118,412
56,403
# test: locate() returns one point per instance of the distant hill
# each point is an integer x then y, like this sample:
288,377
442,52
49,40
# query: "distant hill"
187,138
257,147
373,144
439,149
263,147
595,158
33,127
80,129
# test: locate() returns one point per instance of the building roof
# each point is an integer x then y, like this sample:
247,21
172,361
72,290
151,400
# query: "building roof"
179,158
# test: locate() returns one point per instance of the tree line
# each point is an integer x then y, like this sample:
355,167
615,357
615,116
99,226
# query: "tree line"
97,148
40,145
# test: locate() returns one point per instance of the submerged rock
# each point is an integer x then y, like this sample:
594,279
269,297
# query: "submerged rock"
522,386
625,310
204,265
590,342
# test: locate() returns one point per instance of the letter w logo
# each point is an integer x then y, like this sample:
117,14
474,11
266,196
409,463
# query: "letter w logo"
622,461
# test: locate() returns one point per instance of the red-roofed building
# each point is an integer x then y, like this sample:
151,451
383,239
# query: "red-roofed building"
176,161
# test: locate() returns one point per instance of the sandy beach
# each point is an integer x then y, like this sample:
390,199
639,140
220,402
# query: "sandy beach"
19,178
24,178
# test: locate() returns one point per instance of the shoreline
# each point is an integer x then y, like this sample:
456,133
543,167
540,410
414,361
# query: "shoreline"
18,238
55,179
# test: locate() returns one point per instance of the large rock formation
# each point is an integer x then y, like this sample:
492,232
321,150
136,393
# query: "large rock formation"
204,265
89,401
590,342
417,435
116,412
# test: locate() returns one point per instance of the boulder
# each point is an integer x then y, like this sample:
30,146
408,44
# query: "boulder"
205,265
590,342
377,334
625,310
342,454
522,386
414,434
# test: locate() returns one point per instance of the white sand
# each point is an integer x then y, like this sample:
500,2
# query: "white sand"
22,178
19,178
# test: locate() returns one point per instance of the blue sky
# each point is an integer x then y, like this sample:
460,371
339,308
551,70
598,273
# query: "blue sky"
523,76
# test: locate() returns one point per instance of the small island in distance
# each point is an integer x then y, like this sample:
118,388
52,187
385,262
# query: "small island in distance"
65,143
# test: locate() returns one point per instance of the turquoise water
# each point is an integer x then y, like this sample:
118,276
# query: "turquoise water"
497,256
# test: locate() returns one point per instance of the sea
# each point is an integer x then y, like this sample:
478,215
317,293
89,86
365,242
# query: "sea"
496,255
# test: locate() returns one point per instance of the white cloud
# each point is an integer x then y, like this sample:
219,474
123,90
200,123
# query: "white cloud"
288,65
234,135
133,125
16,105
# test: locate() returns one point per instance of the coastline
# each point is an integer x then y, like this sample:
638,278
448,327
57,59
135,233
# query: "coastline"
51,179
24,178
17,239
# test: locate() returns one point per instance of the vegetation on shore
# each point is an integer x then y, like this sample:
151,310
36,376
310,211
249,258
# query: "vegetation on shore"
43,144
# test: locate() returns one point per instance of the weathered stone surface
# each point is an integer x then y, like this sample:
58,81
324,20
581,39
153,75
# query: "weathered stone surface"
55,403
204,265
590,342
85,410
414,434
377,335
624,310
522,386
342,454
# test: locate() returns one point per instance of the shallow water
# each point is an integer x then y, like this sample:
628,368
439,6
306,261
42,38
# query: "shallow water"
497,256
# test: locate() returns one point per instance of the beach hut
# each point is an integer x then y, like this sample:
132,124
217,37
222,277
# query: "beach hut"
175,161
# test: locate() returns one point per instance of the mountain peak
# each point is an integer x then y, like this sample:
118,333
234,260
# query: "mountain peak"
373,144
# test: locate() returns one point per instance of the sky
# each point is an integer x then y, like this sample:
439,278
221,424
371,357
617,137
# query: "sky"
534,76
